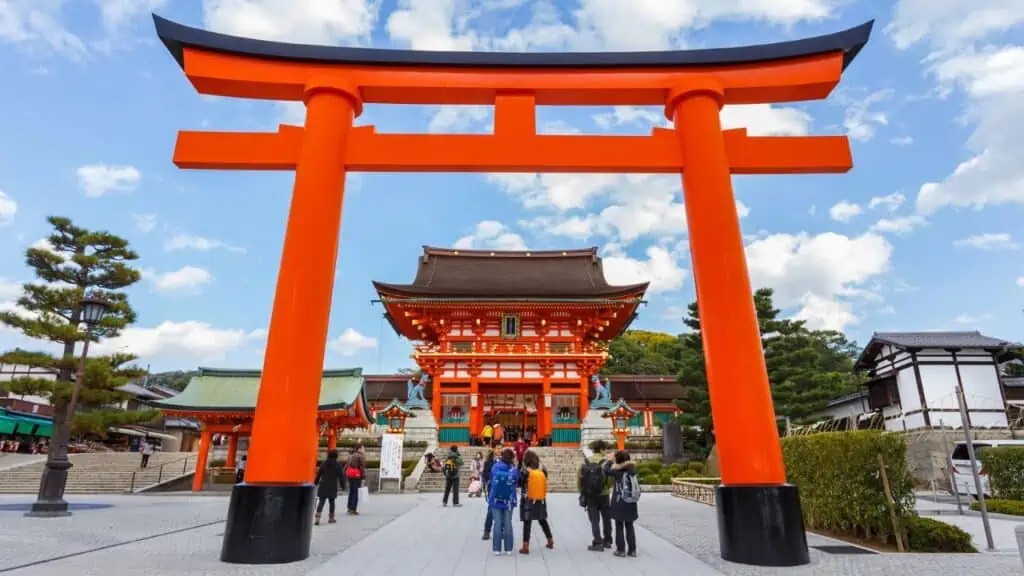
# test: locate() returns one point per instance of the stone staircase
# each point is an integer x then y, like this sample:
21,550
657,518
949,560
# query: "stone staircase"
562,464
102,473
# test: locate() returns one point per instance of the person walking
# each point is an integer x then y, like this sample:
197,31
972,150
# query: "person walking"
355,472
499,433
501,501
520,446
595,490
535,500
623,502
452,464
147,451
328,479
488,435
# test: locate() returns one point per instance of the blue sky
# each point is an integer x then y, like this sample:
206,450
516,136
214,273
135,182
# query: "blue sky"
923,234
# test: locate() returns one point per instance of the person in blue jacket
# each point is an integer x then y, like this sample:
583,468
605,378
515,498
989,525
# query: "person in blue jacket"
501,500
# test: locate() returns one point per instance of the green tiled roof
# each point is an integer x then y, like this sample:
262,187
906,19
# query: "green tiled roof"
216,390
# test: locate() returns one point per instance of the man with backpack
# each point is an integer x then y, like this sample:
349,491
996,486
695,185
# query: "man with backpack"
452,464
501,501
595,489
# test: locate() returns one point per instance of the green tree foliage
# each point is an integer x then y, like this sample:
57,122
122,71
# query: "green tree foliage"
176,380
806,367
81,262
643,352
1014,368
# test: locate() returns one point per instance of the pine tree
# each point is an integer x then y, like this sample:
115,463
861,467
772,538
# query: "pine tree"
77,262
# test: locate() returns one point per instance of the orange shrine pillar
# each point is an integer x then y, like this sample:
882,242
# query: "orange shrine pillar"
332,438
276,502
759,515
475,408
232,460
435,398
544,409
199,478
584,398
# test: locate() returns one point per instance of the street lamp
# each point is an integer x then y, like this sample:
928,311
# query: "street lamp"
620,415
396,413
50,502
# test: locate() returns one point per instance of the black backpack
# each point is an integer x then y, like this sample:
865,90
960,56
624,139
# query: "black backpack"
593,480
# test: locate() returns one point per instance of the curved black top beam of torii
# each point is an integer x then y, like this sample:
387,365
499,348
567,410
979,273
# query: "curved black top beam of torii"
177,37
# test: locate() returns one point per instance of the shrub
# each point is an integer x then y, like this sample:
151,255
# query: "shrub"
840,483
216,463
1005,468
1011,507
648,478
654,465
931,535
695,466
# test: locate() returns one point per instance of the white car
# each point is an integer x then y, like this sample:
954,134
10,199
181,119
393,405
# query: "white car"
961,460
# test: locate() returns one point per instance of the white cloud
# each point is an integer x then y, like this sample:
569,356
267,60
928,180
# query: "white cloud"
8,208
902,140
1020,281
820,275
844,211
182,343
35,25
460,119
351,342
199,243
303,21
758,119
892,202
902,225
965,55
970,320
114,14
493,235
144,222
99,179
185,280
988,241
861,120
661,269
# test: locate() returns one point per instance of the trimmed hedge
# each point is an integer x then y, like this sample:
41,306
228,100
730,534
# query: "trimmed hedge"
1005,468
840,484
931,535
657,473
997,506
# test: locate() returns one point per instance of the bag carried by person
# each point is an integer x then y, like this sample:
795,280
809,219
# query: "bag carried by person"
536,485
451,468
352,472
629,489
593,480
504,485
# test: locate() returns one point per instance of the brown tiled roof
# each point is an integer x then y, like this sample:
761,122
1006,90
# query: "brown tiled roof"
445,273
642,387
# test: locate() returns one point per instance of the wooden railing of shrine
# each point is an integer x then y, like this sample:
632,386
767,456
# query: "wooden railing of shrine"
511,349
700,490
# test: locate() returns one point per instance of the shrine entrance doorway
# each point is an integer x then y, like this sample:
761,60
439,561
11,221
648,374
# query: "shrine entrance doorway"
516,411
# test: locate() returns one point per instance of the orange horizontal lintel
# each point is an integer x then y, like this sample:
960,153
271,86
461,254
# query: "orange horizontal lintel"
369,151
239,150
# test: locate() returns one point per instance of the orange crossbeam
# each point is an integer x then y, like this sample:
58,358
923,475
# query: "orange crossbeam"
369,151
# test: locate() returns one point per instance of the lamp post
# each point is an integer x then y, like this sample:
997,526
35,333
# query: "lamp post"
396,414
620,414
50,501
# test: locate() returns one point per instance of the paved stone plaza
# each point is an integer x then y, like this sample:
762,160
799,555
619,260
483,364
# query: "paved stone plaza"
408,534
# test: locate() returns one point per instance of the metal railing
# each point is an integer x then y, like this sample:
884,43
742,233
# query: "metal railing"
160,471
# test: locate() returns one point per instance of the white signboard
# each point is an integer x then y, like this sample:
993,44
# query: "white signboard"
391,456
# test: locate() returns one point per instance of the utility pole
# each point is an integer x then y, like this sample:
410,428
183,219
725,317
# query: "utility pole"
974,468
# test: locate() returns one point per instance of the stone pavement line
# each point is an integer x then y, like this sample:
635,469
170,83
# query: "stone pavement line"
433,541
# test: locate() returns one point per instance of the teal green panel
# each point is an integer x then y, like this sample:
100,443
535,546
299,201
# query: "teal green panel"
662,417
565,436
44,430
637,421
7,425
382,420
454,435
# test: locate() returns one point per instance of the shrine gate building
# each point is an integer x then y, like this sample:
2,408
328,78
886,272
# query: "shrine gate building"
510,336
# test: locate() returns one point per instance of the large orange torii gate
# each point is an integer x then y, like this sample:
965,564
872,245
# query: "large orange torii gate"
270,517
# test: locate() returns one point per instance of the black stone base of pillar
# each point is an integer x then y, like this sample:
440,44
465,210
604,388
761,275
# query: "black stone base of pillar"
761,525
269,524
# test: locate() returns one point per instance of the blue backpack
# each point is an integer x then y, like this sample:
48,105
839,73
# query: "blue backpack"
503,485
